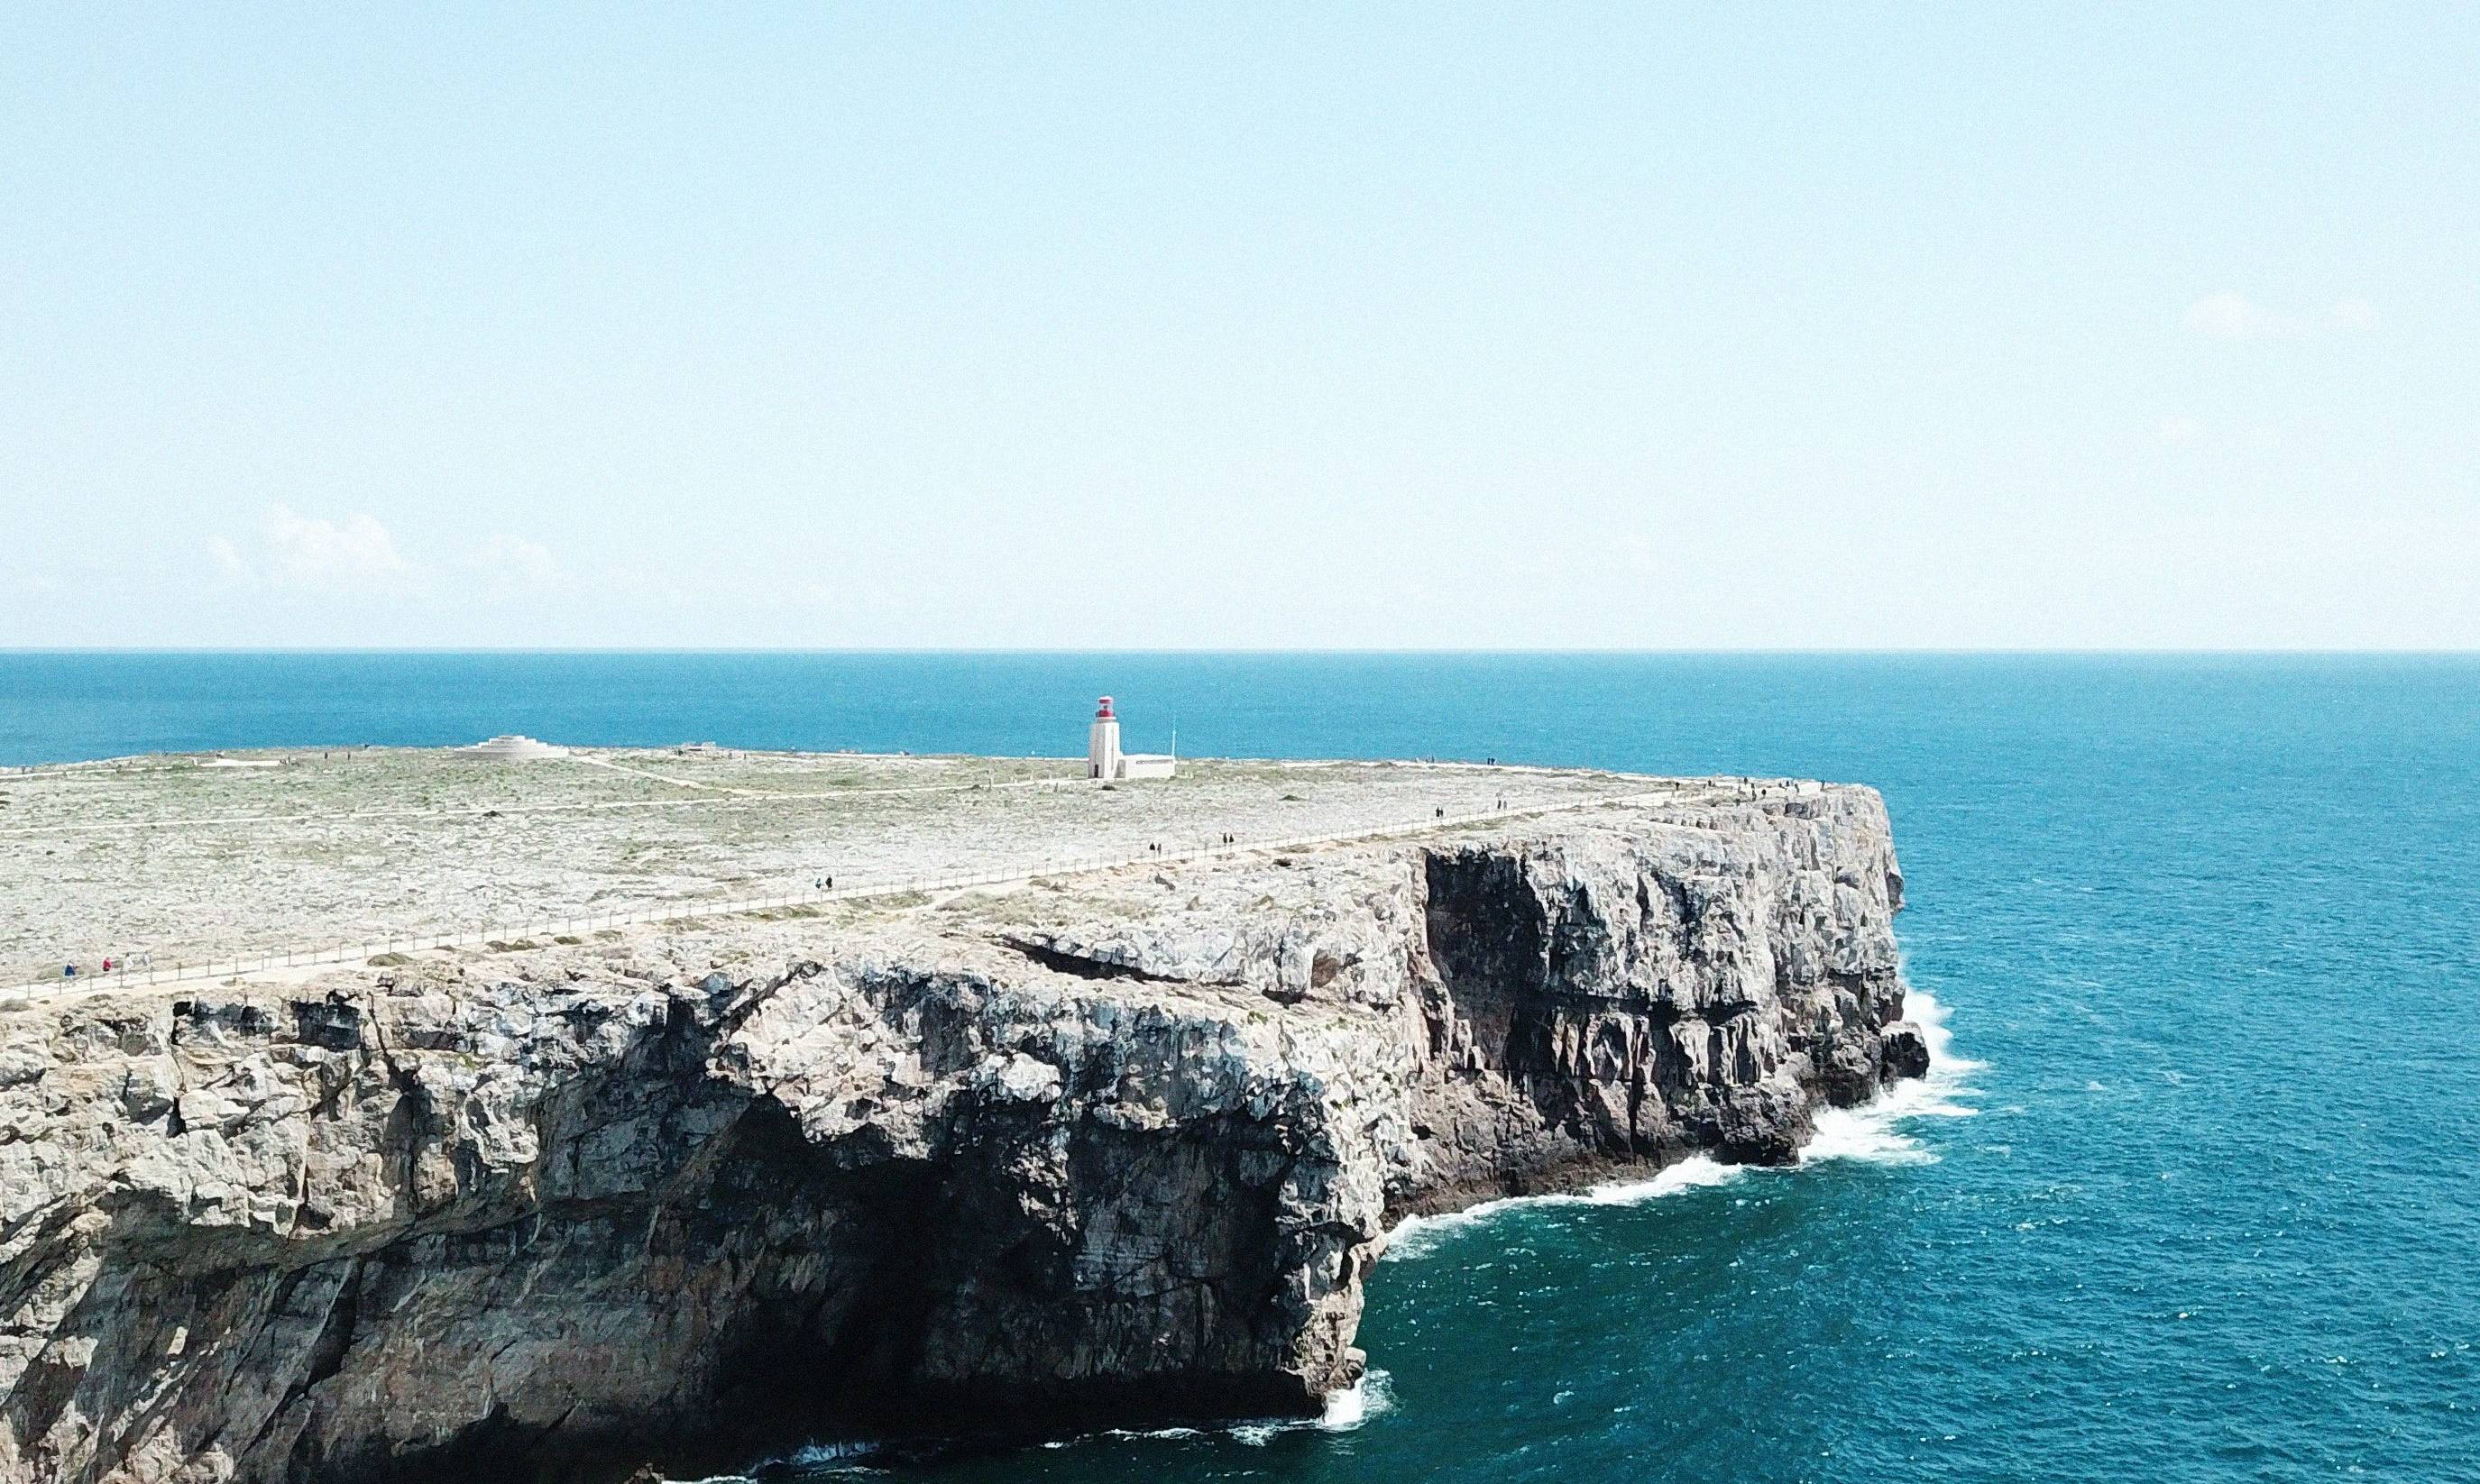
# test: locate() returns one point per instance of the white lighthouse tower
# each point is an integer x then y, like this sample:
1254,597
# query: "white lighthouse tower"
1106,763
1103,745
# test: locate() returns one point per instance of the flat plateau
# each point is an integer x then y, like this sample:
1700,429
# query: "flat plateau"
188,858
1069,1106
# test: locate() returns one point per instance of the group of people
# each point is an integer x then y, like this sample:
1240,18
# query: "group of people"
109,965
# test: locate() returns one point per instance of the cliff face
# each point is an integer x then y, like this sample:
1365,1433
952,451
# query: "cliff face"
1117,1152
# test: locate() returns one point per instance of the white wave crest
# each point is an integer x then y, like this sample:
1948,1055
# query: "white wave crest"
1372,1396
1414,1236
816,1460
1873,1132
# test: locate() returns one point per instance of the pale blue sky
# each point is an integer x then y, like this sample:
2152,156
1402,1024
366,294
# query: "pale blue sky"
1164,325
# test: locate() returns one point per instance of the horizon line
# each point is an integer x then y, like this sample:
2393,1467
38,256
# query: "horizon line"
1611,652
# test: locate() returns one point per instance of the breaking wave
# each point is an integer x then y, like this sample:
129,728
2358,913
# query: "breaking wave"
819,1460
1372,1396
1414,1236
1872,1133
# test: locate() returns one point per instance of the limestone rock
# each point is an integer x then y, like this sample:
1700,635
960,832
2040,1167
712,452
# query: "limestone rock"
1906,1050
1106,1154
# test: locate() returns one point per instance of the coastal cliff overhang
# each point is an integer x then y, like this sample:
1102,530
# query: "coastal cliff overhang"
1004,1164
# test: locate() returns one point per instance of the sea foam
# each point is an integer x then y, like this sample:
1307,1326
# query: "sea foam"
1872,1133
1414,1236
1369,1397
1372,1396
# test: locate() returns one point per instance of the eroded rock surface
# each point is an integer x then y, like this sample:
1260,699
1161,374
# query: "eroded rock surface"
1119,1148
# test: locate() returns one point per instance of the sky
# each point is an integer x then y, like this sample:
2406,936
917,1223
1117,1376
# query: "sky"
2005,326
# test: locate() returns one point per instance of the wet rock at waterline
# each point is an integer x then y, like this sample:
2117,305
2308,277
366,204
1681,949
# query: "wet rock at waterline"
1113,1150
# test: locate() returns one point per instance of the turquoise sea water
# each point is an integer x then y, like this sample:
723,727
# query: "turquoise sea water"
2207,1208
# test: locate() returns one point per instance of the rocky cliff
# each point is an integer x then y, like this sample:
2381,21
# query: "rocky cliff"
1118,1148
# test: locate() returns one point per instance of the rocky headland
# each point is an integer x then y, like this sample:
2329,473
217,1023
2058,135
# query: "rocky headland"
1110,1148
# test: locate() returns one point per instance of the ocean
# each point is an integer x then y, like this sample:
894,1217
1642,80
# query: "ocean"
2192,1194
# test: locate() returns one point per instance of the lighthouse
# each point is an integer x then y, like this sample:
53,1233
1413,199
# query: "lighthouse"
1102,744
1105,763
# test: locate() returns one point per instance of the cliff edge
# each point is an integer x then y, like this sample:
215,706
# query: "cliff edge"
1117,1147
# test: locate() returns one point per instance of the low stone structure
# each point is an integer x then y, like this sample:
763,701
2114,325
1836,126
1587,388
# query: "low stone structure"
511,748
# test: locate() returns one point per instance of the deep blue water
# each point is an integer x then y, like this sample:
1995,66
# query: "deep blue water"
2210,926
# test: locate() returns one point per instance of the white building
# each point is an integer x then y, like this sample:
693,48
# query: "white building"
1105,760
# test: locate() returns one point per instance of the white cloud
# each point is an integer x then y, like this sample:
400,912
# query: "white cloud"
2176,429
509,564
26,579
309,552
313,555
227,557
2230,316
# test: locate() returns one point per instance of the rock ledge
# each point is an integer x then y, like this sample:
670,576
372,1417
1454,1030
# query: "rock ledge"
1114,1149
